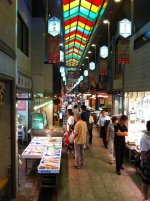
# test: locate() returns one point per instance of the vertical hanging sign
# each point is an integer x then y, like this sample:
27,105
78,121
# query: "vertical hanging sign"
54,26
125,28
53,50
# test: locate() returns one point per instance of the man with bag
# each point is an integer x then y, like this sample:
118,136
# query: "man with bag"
80,133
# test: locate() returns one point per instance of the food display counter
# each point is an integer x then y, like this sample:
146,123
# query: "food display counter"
48,150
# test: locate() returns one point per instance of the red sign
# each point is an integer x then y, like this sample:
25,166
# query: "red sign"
53,50
123,50
123,60
103,72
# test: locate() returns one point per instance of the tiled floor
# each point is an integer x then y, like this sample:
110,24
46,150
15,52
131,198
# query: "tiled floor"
96,181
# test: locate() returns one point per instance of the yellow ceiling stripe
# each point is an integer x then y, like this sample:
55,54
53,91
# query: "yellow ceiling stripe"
79,36
67,27
105,5
81,24
86,4
73,24
94,9
87,28
74,4
66,7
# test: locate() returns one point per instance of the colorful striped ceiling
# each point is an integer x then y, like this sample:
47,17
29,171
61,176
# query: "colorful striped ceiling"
81,18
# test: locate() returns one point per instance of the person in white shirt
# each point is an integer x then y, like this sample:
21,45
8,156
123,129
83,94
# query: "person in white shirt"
70,121
145,146
102,124
69,127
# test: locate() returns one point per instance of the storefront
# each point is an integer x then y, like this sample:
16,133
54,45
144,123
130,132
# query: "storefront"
104,101
22,112
137,107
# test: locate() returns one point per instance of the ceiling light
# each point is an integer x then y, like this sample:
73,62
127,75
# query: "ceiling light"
86,57
106,22
82,64
93,45
117,1
89,52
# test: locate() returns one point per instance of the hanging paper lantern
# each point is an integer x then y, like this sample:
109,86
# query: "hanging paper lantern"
92,66
62,69
86,73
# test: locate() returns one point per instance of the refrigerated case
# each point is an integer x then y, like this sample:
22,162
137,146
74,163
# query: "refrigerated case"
137,107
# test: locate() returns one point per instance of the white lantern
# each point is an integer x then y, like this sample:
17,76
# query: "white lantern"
104,51
63,74
86,73
92,66
62,69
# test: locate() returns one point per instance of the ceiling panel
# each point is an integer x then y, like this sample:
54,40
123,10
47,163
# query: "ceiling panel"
81,18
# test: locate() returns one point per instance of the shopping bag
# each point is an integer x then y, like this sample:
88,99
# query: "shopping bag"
71,137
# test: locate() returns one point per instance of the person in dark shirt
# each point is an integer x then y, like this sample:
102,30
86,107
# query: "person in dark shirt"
121,131
85,115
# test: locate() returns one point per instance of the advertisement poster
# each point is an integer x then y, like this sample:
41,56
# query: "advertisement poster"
21,104
53,50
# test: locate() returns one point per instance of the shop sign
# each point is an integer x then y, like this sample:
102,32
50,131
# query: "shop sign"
53,50
54,26
104,51
2,92
123,51
23,81
125,28
103,67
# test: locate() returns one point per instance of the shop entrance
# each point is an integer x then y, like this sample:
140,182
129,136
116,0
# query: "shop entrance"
7,138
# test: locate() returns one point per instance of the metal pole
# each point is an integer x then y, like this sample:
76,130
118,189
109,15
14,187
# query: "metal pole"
123,86
132,17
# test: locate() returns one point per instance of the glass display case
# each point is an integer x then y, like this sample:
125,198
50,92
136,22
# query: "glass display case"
39,121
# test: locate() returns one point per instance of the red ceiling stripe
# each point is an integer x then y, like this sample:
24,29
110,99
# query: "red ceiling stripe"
96,2
69,42
67,1
70,21
85,21
69,34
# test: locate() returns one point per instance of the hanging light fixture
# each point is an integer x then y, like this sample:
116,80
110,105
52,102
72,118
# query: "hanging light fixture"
62,69
64,79
92,65
63,74
81,78
86,73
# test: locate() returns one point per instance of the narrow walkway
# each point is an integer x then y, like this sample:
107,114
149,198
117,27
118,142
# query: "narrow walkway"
97,180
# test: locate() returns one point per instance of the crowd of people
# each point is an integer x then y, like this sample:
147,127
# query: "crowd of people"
113,131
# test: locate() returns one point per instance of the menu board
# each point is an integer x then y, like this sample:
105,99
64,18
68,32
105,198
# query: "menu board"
48,149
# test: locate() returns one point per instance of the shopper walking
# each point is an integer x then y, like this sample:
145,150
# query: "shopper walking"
80,133
110,138
75,109
103,123
121,131
69,127
90,128
85,115
145,160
